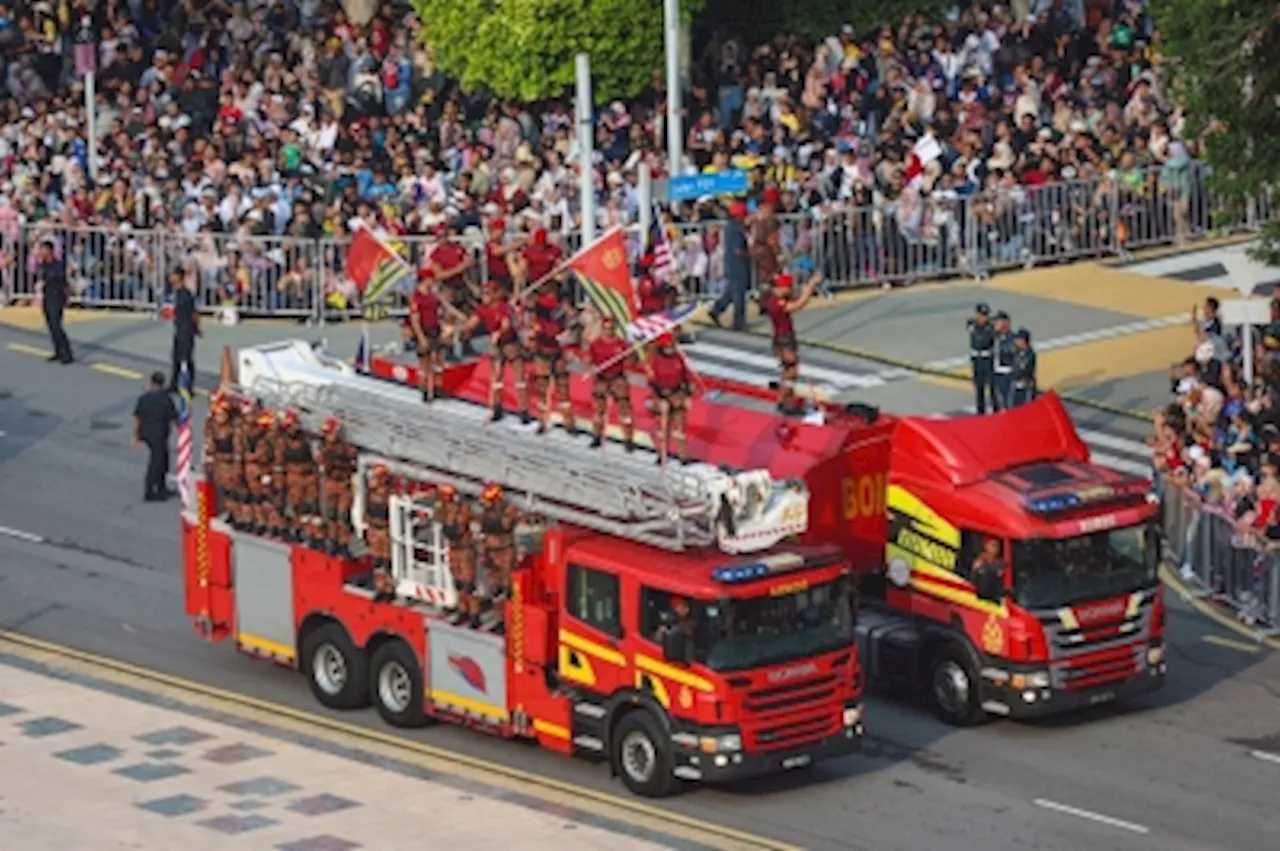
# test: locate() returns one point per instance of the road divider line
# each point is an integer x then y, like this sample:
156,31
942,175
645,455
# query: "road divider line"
117,371
1266,756
267,713
29,350
21,535
1091,816
1231,644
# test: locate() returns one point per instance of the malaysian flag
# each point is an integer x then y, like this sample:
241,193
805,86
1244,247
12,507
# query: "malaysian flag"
651,327
186,440
662,260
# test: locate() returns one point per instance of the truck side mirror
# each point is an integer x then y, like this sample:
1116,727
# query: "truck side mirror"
1153,551
989,584
674,646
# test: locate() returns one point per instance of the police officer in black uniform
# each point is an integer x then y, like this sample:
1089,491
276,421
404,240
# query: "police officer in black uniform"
981,353
1002,378
1024,369
186,327
52,272
153,416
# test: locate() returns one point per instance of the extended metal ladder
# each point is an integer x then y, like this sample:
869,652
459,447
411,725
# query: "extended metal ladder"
673,508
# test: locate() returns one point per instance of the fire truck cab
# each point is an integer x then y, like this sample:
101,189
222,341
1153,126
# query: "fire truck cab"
661,620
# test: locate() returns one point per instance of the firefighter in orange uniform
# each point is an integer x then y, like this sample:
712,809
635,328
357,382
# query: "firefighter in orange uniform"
496,316
609,356
671,384
220,455
454,517
338,464
259,465
244,426
377,515
274,506
550,363
301,480
424,319
779,303
498,521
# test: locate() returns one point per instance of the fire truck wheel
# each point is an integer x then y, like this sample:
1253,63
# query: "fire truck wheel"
397,685
953,688
642,757
337,671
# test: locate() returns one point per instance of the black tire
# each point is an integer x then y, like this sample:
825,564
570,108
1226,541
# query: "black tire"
641,755
336,670
954,688
395,685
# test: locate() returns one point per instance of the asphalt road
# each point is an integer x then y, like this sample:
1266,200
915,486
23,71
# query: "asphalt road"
1174,771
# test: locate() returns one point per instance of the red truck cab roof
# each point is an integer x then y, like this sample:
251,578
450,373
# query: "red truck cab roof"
1022,473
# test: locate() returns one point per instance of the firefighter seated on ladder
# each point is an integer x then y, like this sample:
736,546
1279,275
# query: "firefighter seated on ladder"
338,465
220,456
454,517
302,482
498,521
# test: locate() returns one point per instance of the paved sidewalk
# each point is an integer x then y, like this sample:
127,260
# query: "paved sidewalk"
86,769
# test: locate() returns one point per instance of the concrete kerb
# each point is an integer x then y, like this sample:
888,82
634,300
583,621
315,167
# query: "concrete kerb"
950,375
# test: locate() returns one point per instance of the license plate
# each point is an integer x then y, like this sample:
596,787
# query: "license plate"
1104,697
796,761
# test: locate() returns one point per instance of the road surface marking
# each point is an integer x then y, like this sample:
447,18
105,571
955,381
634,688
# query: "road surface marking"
1266,756
1209,610
1113,441
118,371
1231,643
1091,816
29,350
288,720
21,535
1124,465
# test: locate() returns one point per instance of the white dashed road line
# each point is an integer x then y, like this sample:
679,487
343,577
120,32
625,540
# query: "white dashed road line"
21,535
1266,756
1091,816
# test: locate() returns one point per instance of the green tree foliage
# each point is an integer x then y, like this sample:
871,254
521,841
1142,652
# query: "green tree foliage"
1224,58
524,49
762,19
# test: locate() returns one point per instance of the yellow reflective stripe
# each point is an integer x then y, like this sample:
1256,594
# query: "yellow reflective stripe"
265,645
925,519
655,686
457,701
549,729
605,654
576,666
961,598
1068,618
674,674
1135,605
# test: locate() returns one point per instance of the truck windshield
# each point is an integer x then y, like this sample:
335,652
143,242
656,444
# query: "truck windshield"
1048,574
767,630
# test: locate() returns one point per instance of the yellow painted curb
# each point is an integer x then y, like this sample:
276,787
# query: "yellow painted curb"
1170,578
643,814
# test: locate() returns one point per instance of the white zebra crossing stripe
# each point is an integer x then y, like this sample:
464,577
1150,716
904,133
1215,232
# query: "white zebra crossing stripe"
819,374
1123,465
1123,445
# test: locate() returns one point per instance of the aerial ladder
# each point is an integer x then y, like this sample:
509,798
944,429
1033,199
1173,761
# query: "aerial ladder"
555,476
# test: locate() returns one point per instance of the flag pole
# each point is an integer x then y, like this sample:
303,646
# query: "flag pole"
636,346
405,263
564,264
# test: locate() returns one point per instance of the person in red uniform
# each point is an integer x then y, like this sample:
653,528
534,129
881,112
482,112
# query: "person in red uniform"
497,253
609,355
449,261
654,294
428,332
671,384
550,364
779,302
498,319
539,259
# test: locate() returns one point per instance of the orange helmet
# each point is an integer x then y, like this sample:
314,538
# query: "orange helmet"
331,426
220,408
266,419
378,471
447,491
782,281
492,493
247,406
289,419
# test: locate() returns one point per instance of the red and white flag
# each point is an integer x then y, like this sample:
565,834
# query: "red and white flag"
925,151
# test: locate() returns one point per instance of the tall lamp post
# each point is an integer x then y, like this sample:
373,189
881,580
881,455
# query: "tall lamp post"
675,125
86,55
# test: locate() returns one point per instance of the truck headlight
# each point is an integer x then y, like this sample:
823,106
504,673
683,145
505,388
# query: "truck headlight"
852,715
728,743
1155,655
1038,679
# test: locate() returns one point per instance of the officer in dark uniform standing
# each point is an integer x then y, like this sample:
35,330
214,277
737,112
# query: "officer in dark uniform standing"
186,327
153,417
52,273
981,353
1002,378
1024,369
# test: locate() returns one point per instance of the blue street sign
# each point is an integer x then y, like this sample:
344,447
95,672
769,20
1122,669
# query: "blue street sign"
688,187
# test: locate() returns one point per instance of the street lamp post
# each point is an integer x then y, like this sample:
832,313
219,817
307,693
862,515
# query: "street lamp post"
675,128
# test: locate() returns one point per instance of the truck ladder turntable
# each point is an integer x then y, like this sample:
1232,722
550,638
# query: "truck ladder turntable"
557,474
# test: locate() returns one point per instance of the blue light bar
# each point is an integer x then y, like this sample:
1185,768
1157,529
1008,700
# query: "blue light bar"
769,565
1052,504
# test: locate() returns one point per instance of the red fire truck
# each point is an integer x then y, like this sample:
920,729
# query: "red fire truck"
1001,572
660,619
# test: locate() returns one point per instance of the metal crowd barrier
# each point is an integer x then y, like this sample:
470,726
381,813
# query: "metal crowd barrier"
939,236
1221,561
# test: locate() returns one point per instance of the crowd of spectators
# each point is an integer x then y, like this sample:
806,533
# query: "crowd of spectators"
1218,440
287,118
